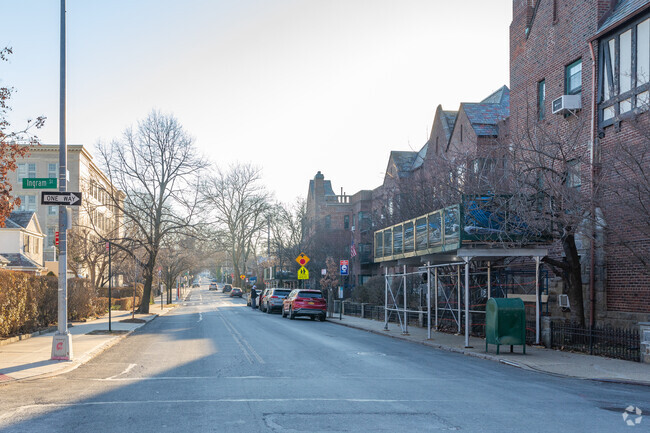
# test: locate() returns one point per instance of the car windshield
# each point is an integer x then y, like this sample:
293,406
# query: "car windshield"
310,295
282,293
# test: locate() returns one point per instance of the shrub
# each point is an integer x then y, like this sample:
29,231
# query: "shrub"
373,291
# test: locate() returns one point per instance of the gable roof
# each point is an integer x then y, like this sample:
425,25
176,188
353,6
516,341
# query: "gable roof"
403,161
623,10
19,219
485,115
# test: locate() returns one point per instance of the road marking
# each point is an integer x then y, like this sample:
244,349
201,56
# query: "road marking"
200,317
126,370
241,341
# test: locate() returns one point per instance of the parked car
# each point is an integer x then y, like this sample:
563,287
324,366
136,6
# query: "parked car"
301,302
248,298
260,300
226,288
196,285
236,292
273,299
213,286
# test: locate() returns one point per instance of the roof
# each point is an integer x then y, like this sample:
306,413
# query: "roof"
403,161
327,185
449,118
420,156
485,115
623,10
18,260
19,219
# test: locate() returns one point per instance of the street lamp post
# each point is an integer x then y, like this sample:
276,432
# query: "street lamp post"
62,341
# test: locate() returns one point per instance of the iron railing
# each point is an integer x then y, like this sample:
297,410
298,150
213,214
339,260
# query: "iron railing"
609,342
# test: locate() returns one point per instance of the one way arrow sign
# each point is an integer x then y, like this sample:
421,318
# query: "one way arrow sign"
61,198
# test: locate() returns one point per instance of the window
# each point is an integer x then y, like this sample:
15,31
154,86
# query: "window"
346,222
624,72
26,170
573,174
573,78
541,99
50,236
328,221
27,202
51,210
26,239
53,171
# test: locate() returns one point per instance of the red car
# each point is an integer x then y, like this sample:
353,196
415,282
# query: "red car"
236,291
302,302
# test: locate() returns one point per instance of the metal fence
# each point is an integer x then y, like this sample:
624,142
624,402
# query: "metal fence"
610,342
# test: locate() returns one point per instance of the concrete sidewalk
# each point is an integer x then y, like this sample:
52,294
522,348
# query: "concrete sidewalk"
537,358
30,357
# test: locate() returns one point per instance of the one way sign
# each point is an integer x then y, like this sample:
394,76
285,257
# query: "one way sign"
61,198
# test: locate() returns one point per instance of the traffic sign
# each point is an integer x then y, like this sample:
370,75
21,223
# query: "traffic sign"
56,239
303,273
242,276
61,198
253,279
345,267
302,259
39,183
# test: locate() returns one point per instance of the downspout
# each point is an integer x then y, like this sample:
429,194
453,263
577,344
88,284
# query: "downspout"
592,154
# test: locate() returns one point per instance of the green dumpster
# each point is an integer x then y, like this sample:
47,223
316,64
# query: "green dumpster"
505,323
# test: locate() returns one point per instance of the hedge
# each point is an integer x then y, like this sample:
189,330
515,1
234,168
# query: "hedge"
29,303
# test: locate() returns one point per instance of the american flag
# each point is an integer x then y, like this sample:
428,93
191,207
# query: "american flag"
353,250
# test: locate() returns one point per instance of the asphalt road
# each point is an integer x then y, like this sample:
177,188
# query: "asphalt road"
215,365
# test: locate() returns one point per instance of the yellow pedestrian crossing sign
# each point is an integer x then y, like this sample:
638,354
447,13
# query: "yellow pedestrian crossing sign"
303,273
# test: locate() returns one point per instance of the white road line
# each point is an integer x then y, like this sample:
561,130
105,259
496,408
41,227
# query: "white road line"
126,370
200,317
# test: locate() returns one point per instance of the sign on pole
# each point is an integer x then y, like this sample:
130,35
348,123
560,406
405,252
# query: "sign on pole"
302,259
345,267
303,273
59,198
39,183
242,276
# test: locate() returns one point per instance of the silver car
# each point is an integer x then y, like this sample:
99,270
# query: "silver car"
273,300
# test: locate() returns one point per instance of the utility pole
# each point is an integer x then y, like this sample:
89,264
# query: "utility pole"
62,341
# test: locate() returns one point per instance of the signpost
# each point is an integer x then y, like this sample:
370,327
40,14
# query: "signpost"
39,183
61,198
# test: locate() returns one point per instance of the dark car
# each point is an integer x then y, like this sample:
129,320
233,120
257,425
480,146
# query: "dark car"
236,292
226,288
273,299
301,302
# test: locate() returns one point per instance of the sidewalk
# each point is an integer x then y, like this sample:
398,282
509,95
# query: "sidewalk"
537,358
29,358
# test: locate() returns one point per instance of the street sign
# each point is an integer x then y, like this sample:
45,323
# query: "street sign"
60,198
303,273
345,267
302,259
56,239
253,279
39,183
242,276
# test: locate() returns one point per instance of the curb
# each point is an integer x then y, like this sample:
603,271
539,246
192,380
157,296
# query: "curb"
489,357
85,358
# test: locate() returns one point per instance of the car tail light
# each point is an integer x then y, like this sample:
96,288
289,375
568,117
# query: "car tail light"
274,297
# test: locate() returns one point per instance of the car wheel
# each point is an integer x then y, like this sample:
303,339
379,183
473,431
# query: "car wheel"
268,310
312,317
322,318
282,313
291,315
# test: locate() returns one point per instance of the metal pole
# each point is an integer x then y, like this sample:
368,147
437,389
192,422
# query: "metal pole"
537,306
385,298
406,321
459,299
467,259
110,286
428,301
436,295
489,279
135,279
62,341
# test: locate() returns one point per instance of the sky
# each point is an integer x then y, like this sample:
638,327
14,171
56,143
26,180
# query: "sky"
291,86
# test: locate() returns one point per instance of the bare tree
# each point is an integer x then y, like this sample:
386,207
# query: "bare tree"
10,149
157,166
286,227
239,207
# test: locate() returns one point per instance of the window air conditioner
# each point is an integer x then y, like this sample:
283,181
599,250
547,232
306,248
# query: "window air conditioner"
563,301
566,103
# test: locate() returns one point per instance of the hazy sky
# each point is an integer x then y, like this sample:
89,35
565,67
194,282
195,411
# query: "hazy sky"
294,86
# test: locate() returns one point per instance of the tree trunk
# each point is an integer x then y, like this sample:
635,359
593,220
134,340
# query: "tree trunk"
146,293
573,278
